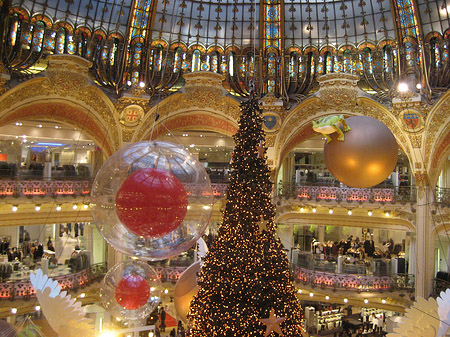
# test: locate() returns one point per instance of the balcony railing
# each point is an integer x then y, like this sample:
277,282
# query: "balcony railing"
349,194
309,192
354,282
44,187
23,289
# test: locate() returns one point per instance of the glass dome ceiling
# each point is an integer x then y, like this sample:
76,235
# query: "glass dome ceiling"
281,46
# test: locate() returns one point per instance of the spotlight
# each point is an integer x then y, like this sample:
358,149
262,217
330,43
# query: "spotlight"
387,214
349,212
82,295
314,210
141,84
311,295
14,208
369,213
383,301
58,207
166,291
206,207
37,308
14,311
128,83
85,206
302,209
327,297
403,87
330,211
345,300
366,301
37,208
418,86
75,206
299,291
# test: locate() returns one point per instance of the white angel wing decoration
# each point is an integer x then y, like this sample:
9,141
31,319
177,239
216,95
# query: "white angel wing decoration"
444,312
62,311
202,248
421,319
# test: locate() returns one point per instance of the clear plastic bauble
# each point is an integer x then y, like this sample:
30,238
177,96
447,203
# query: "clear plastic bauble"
151,200
131,290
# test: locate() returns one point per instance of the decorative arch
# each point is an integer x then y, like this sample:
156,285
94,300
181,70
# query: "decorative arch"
65,112
64,97
200,107
297,126
437,135
194,121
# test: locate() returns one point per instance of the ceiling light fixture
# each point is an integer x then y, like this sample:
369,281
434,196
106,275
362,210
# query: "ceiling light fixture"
369,213
330,211
58,207
14,208
314,210
37,208
349,212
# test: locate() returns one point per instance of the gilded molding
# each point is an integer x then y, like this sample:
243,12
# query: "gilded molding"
199,97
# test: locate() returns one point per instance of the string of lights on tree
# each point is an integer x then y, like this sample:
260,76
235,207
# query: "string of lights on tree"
245,284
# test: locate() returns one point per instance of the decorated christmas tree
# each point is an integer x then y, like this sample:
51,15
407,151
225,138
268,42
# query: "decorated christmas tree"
246,285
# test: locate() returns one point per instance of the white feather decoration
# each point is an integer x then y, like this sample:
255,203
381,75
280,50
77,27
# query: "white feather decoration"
202,248
421,319
63,313
444,312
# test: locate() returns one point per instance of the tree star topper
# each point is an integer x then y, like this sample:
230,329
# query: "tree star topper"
261,149
273,323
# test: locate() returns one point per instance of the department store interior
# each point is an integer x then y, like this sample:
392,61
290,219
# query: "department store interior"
77,84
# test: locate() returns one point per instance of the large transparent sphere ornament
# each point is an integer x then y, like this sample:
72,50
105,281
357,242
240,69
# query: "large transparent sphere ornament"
131,290
151,200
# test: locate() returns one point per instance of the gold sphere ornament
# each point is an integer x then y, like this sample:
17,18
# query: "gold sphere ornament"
366,157
185,290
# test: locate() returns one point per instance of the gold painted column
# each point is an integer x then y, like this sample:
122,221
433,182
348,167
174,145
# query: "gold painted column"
424,237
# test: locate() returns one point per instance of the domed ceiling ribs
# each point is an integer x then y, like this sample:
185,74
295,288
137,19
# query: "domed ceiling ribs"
276,47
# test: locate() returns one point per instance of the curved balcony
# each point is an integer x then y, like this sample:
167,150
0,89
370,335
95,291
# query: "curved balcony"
354,282
318,192
23,289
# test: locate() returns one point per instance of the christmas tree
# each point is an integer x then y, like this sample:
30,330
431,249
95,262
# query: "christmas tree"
245,284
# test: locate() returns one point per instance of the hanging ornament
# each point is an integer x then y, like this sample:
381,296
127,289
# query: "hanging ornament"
152,200
131,289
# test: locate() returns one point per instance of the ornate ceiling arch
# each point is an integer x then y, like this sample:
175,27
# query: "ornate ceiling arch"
297,126
65,95
202,105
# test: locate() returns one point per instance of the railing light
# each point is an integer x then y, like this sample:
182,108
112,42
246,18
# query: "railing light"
366,301
311,295
302,209
58,207
14,311
37,208
383,301
330,211
14,208
403,87
369,213
349,212
75,206
327,297
387,214
37,308
345,300
314,210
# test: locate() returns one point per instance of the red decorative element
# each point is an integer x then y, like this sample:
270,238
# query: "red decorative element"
151,202
132,292
132,116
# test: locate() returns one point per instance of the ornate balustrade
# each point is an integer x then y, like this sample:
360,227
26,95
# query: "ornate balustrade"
324,192
354,282
44,187
23,289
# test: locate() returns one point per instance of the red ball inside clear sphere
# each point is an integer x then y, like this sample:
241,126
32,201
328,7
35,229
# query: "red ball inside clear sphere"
132,292
151,202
